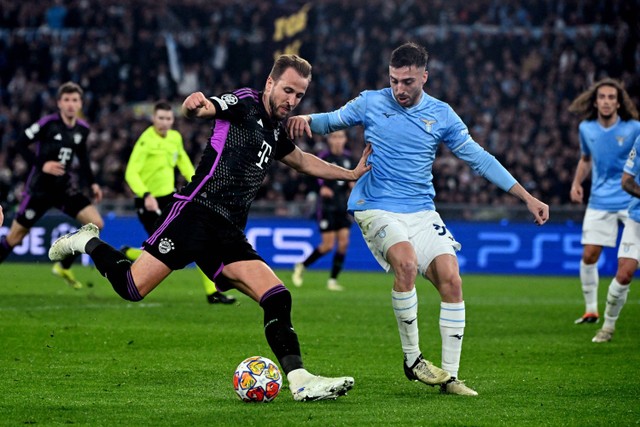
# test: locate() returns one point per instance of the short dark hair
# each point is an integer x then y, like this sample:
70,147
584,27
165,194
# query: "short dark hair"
162,105
409,54
284,62
69,87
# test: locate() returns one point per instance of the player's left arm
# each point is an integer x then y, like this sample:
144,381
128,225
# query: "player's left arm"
312,165
490,168
350,114
468,150
538,209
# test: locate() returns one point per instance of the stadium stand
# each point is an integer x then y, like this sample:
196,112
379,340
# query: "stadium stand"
509,68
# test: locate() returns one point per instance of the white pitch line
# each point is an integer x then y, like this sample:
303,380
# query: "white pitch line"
89,306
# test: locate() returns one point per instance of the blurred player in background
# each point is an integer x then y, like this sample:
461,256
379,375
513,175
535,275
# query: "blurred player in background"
205,222
59,138
393,204
629,250
150,174
607,131
333,219
1,216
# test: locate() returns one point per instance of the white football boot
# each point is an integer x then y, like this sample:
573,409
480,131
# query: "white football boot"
455,386
296,277
333,285
426,372
73,243
315,387
603,335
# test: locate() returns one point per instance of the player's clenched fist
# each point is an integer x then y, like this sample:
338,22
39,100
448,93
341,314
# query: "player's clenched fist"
197,105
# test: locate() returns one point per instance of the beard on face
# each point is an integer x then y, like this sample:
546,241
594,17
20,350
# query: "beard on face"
274,109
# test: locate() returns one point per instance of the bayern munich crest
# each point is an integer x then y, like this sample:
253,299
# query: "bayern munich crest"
165,246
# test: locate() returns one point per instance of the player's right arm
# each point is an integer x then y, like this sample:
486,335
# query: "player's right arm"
582,172
630,185
197,105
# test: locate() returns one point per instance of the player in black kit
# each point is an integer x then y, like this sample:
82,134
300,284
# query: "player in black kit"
205,223
333,219
59,138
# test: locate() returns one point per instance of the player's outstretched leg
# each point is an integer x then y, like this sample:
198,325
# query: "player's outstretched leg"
110,262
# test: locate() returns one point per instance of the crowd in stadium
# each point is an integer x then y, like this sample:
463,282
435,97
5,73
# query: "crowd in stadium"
509,68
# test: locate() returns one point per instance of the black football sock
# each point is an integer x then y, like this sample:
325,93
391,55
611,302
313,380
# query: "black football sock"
315,255
5,249
66,263
282,339
115,266
338,262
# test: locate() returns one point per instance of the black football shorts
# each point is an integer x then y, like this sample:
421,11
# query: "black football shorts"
189,232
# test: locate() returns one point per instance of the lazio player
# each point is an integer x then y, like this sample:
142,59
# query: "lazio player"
607,131
629,250
394,206
150,174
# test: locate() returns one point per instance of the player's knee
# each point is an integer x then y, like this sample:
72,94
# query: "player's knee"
324,248
624,276
406,269
450,288
590,257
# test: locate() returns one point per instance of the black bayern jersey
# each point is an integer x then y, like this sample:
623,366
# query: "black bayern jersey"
244,142
54,141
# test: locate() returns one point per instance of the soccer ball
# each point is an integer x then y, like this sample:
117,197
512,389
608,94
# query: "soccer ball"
257,379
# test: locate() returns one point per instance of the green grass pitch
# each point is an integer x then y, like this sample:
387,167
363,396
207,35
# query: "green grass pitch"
87,357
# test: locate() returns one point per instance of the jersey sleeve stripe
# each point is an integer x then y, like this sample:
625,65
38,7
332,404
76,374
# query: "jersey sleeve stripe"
246,93
218,140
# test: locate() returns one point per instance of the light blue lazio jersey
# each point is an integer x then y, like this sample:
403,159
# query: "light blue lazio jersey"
632,167
608,149
404,142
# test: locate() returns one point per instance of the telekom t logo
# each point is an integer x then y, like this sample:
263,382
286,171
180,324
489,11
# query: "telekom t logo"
64,155
264,153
